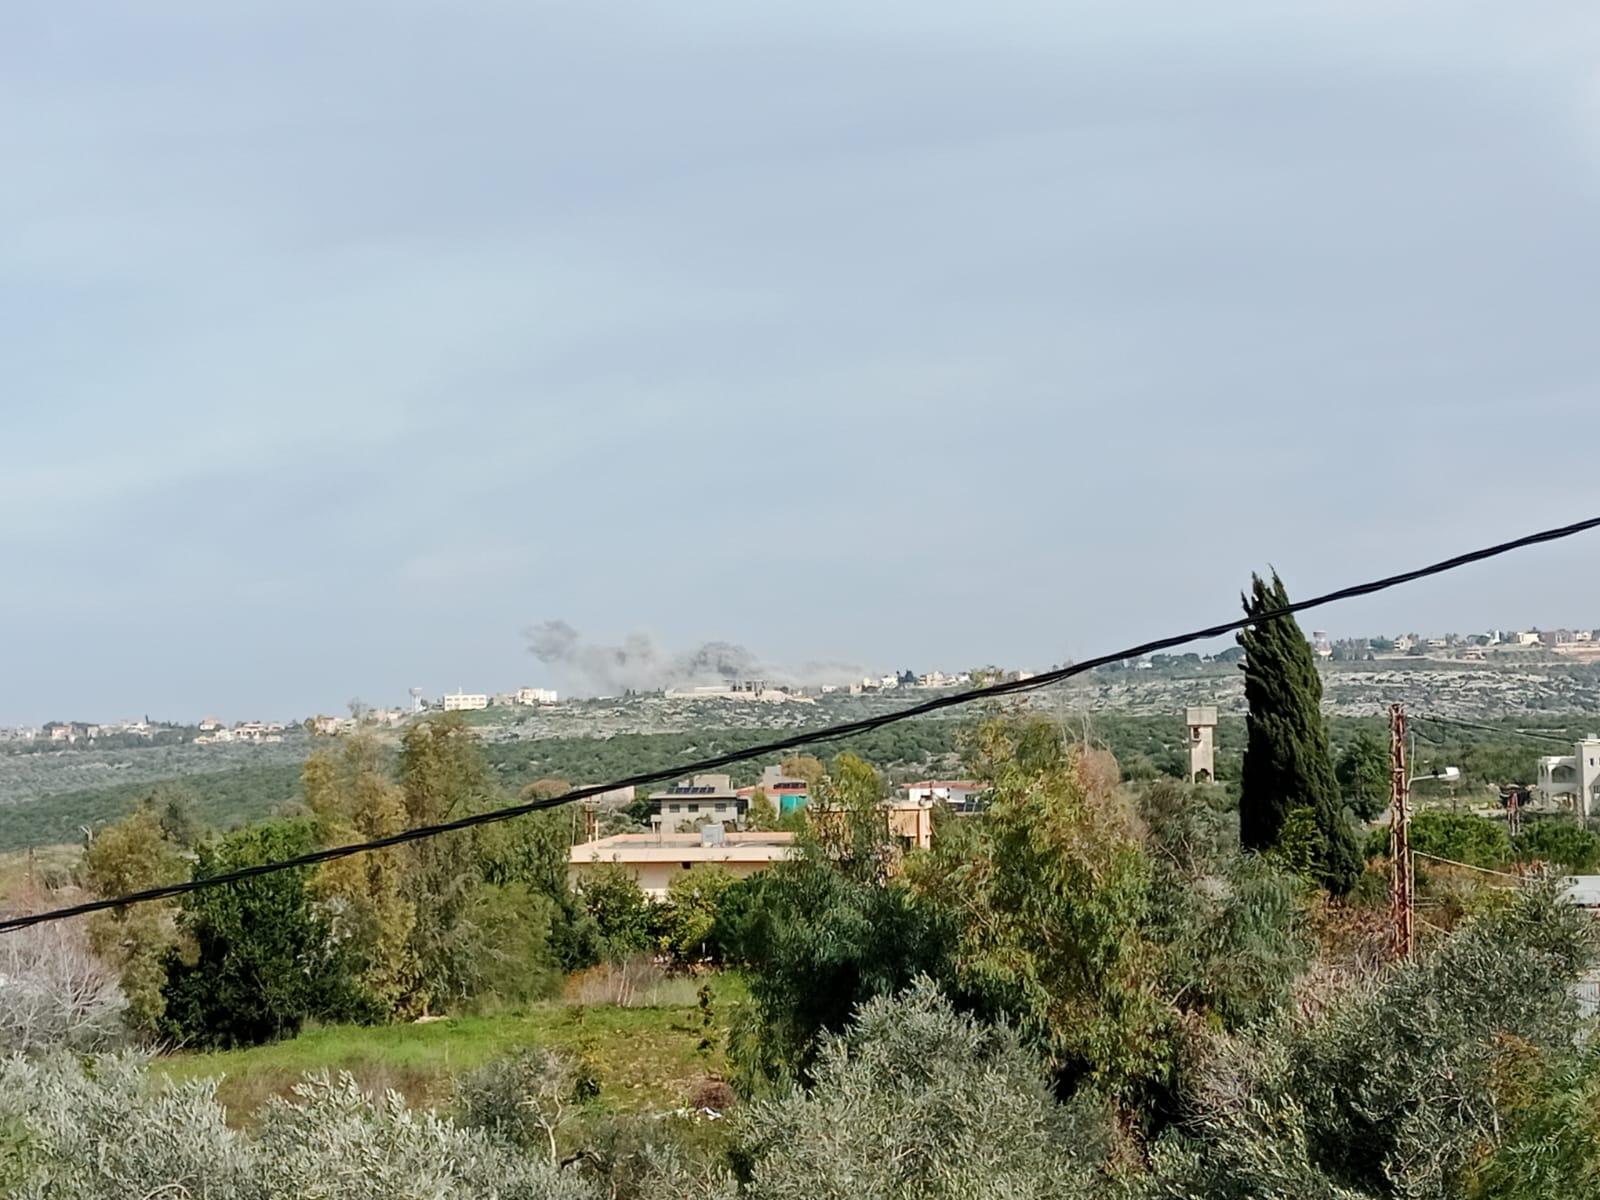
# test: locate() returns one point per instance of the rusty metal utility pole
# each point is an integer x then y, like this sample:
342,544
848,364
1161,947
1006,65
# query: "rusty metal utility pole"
1401,875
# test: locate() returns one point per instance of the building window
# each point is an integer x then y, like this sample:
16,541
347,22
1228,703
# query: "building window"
721,807
694,808
688,866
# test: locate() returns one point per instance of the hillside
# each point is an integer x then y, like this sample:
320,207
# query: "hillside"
46,797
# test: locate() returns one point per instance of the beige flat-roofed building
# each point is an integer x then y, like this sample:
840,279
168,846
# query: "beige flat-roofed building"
656,859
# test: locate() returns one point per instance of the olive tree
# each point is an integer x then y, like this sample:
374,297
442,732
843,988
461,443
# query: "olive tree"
54,992
917,1100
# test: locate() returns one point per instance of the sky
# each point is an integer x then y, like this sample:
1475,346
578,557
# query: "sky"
340,344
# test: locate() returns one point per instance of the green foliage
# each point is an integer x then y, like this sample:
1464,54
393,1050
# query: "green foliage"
642,1053
913,746
222,800
1363,772
442,775
824,932
1286,761
1049,909
1559,841
1460,837
804,766
529,1099
336,1141
846,824
690,916
624,916
738,909
915,1100
1298,844
1551,1149
817,943
511,962
762,813
262,960
17,1159
1229,923
353,799
1455,837
135,854
110,1129
1395,1089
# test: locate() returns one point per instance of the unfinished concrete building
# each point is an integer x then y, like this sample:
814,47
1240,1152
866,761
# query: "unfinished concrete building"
1202,743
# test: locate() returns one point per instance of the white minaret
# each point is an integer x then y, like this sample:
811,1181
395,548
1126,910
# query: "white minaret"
1202,743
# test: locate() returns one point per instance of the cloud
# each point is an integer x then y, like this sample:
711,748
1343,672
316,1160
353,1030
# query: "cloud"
925,332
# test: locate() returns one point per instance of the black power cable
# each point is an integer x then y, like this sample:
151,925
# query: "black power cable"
799,740
1482,728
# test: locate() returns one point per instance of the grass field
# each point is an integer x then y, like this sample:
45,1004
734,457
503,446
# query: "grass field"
646,1058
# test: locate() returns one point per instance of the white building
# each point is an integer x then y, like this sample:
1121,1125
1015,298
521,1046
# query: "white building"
464,702
1573,777
705,797
534,696
656,859
959,794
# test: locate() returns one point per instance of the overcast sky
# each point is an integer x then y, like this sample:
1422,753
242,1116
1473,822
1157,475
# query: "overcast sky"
341,342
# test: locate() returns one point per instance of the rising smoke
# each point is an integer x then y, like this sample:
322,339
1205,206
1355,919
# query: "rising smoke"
637,664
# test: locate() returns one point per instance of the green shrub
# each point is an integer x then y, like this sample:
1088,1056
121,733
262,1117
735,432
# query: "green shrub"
1556,840
262,961
529,1099
1461,837
111,1129
917,1100
624,917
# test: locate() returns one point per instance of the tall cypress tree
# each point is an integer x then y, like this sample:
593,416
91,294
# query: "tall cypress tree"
1287,763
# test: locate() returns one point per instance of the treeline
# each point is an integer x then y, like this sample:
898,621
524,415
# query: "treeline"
219,799
1148,747
909,747
1091,990
225,800
1489,753
435,925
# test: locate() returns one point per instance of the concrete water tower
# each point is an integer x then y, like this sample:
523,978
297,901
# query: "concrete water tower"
1202,743
416,700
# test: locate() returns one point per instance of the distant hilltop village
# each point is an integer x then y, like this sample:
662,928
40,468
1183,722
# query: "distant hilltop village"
731,689
1496,647
1580,644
